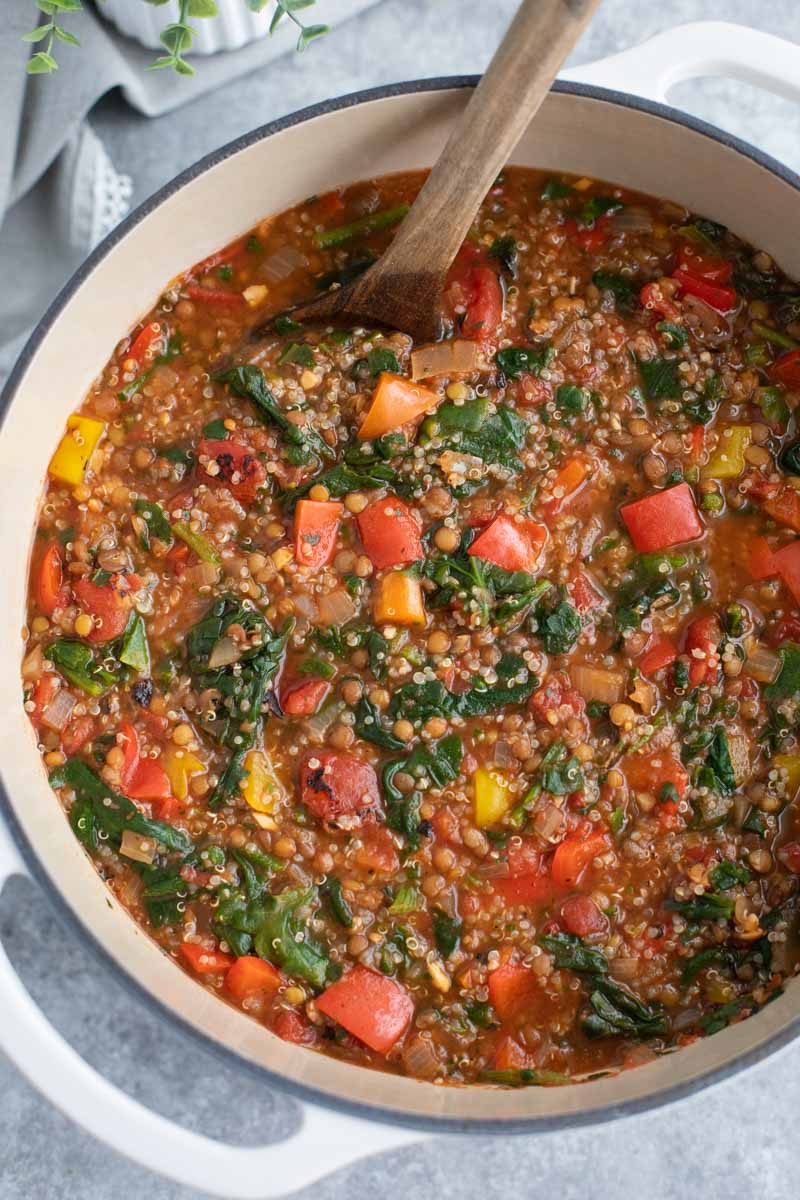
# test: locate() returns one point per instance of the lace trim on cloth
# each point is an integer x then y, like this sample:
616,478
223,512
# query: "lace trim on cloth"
101,194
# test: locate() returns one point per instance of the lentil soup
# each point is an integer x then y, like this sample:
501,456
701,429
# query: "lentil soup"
438,705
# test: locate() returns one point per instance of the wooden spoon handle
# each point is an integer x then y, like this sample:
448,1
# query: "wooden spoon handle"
505,101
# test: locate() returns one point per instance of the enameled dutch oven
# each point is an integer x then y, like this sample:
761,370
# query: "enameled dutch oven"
582,128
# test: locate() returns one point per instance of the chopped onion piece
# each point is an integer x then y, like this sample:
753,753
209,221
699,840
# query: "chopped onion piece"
625,968
740,756
223,653
549,823
59,710
763,664
455,357
32,664
318,725
202,575
336,607
419,1058
503,757
632,219
283,263
306,606
597,683
136,846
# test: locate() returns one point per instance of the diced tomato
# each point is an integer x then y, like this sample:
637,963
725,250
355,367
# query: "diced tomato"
585,595
140,778
168,809
77,734
648,773
250,975
109,604
660,652
761,559
662,519
702,640
375,1009
574,855
227,255
509,1055
789,854
472,288
580,915
512,545
446,827
214,296
292,1027
204,961
556,700
304,697
50,592
568,482
697,441
146,343
390,533
316,528
339,787
178,557
530,391
784,507
786,370
327,206
44,690
512,988
237,468
652,298
377,851
589,238
704,266
787,564
528,881
787,630
721,299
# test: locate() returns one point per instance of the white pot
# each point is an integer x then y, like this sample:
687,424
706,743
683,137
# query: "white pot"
235,26
607,134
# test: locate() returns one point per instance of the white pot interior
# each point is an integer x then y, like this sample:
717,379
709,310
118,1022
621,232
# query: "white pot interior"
572,133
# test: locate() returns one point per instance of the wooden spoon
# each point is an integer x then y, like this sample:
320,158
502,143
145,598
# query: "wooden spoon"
402,290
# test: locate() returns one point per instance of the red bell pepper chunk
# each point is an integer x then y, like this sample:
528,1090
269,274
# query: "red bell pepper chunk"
710,267
702,640
146,343
556,700
528,881
292,1027
204,961
390,533
512,545
787,563
472,290
568,482
662,519
214,296
649,772
589,238
77,734
652,298
580,915
585,595
509,1055
316,528
574,855
109,604
512,987
786,370
761,559
49,591
339,787
250,975
784,507
722,299
660,652
140,778
375,1009
233,466
304,697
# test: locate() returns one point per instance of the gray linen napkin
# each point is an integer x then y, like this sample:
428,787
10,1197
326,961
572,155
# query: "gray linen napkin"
59,191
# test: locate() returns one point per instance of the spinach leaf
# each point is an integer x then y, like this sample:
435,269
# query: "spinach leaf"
446,932
283,938
304,444
556,189
111,812
524,360
571,953
661,378
562,778
440,763
134,651
698,962
710,907
505,250
675,335
718,760
498,441
617,1012
156,523
283,325
701,410
456,418
788,681
635,605
571,400
406,900
558,624
256,868
76,662
480,1013
368,725
707,232
215,430
164,890
624,290
331,889
344,478
237,920
419,701
596,206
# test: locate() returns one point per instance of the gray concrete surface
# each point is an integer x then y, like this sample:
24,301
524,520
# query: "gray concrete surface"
734,1141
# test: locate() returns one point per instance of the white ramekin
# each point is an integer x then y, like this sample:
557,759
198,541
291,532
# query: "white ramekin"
235,26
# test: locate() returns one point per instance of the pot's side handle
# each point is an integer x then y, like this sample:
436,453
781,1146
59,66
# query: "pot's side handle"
325,1141
703,48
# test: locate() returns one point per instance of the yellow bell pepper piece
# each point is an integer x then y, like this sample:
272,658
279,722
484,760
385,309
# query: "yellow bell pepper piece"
790,763
492,797
728,459
68,464
399,600
180,766
261,787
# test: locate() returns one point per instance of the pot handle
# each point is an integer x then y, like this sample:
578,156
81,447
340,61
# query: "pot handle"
325,1141
710,48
